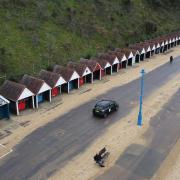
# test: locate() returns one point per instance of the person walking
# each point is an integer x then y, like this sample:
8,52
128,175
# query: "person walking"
171,59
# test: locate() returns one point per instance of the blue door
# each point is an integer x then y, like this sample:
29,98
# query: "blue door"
71,85
4,111
40,98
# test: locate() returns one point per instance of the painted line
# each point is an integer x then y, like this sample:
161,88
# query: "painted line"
5,153
2,145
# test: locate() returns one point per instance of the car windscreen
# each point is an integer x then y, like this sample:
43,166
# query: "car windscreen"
103,104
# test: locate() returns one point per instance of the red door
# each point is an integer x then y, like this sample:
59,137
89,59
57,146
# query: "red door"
102,72
81,81
22,105
55,91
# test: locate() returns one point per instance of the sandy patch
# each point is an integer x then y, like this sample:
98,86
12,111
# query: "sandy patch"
118,137
170,169
62,104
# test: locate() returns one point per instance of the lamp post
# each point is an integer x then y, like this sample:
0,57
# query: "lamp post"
139,122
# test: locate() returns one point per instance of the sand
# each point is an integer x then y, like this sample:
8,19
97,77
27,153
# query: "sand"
118,137
174,171
34,119
170,169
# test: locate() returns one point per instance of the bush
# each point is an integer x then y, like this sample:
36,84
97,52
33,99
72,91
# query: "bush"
127,5
16,78
3,68
150,27
3,60
164,3
67,46
35,40
15,3
28,24
50,68
87,56
42,10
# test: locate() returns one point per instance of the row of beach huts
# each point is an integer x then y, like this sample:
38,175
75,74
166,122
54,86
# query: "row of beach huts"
30,91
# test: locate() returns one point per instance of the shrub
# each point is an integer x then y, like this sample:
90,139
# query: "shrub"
87,56
28,24
10,3
50,68
35,40
15,78
150,27
3,60
127,5
3,68
67,46
42,10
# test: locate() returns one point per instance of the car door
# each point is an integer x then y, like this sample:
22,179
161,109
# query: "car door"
111,107
114,106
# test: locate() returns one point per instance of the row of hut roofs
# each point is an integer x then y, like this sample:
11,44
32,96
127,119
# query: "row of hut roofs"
31,91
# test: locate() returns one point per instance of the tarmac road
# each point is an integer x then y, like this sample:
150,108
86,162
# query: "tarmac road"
50,147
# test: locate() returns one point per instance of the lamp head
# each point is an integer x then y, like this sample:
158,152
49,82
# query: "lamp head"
142,71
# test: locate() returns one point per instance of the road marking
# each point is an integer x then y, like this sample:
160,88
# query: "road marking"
5,153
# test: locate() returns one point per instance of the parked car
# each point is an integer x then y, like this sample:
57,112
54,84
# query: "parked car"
104,107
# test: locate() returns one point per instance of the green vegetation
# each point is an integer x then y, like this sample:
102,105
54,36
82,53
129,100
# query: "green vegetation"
36,34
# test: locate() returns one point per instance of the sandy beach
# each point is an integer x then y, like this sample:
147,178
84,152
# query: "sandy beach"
127,130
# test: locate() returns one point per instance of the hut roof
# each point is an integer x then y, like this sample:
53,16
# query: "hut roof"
33,83
120,55
151,44
103,62
134,51
126,51
155,42
3,101
109,57
162,39
93,65
140,49
50,78
12,90
146,46
66,72
79,67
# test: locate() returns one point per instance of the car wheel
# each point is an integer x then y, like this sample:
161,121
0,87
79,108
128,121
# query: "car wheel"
116,108
105,115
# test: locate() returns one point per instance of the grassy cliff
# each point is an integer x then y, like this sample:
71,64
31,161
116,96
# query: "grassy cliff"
38,33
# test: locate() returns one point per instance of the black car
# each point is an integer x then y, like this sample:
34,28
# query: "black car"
104,107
